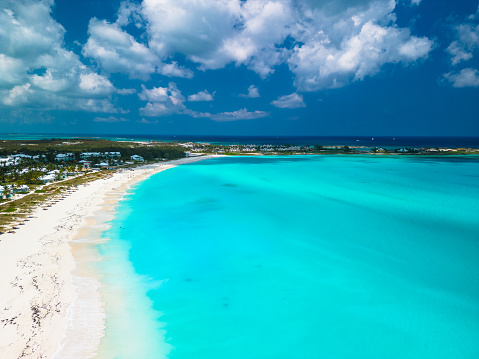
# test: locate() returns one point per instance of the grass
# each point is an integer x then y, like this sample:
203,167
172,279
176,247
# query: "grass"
25,205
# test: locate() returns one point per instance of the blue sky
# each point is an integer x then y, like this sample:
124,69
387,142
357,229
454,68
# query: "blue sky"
232,67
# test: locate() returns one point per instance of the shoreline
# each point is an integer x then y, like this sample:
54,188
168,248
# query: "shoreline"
50,299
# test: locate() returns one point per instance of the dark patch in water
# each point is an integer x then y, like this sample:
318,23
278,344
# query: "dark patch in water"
205,203
229,185
444,159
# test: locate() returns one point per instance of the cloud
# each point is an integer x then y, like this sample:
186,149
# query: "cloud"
11,70
201,96
156,94
111,119
465,78
252,92
415,2
37,71
116,51
17,95
466,45
147,122
464,49
174,70
125,91
95,84
238,115
289,101
217,32
165,101
326,44
351,45
94,105
334,43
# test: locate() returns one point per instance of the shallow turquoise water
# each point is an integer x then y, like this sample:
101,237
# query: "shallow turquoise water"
297,257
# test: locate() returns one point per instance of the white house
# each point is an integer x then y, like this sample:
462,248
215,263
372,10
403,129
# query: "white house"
86,155
64,157
112,154
5,161
137,158
47,178
21,156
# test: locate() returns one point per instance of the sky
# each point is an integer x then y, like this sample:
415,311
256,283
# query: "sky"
240,67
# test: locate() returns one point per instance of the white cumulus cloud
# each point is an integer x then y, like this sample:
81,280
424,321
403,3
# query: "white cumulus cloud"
201,96
466,45
465,78
117,51
242,114
351,45
165,101
252,92
38,71
326,44
462,50
110,119
289,101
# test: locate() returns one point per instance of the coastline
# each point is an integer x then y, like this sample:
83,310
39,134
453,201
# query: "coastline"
50,298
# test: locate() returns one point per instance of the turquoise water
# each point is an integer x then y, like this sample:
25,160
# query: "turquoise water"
297,257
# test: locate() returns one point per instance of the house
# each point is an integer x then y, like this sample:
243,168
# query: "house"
86,155
21,156
47,178
112,154
64,157
85,164
137,158
5,161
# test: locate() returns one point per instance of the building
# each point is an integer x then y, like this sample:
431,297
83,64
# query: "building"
112,154
137,158
64,157
85,164
86,155
47,178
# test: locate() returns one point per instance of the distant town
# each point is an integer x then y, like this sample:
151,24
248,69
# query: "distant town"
26,166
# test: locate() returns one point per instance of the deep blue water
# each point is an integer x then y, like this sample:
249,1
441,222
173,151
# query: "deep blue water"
297,257
368,141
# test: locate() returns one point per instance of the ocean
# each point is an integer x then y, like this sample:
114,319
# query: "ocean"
389,142
296,257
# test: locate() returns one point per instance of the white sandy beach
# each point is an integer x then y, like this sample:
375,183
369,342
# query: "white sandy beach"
50,306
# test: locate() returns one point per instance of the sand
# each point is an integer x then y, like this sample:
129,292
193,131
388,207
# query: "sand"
50,306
